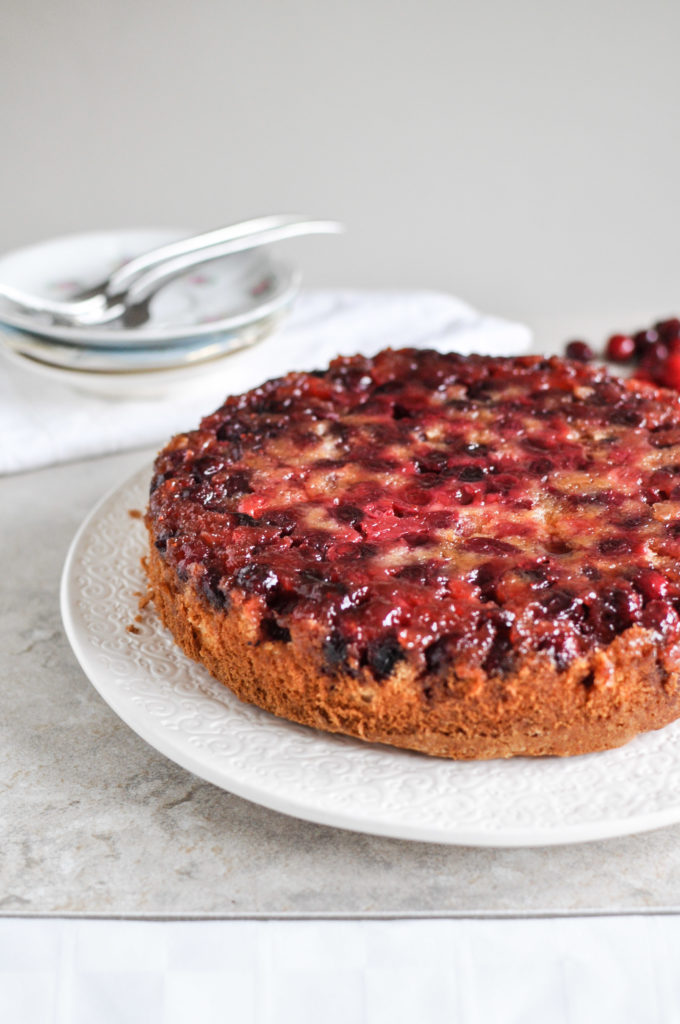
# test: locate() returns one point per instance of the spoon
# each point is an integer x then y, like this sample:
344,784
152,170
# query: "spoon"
126,293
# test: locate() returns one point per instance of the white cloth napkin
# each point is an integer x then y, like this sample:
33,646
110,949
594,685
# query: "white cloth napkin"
43,423
583,970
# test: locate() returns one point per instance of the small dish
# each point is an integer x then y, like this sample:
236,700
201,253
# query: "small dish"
141,383
124,359
224,296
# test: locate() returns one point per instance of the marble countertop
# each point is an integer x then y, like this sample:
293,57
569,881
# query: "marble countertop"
96,822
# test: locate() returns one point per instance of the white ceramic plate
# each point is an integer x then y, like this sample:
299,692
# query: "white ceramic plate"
221,295
181,711
96,359
144,382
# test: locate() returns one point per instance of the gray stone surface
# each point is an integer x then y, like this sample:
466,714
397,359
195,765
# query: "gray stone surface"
96,822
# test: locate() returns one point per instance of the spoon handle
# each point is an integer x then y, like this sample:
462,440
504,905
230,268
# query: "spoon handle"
196,248
31,304
145,284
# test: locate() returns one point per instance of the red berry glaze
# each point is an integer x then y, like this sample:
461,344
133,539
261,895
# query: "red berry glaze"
433,508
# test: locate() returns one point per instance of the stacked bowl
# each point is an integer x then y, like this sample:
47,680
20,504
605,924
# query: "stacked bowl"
191,325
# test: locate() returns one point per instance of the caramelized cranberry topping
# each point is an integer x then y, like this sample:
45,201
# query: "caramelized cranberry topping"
433,508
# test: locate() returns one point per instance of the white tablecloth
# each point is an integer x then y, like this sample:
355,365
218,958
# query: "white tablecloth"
585,970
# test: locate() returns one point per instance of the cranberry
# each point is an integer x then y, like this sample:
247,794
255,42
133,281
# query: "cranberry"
558,602
669,330
335,651
580,351
653,363
615,546
489,545
561,647
417,540
541,467
665,436
383,656
500,656
652,584
470,474
433,462
537,577
255,578
438,654
617,610
669,372
644,340
657,352
659,615
627,418
350,514
237,483
210,586
486,577
620,348
284,521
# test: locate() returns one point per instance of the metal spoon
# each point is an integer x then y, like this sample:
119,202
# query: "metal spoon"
125,294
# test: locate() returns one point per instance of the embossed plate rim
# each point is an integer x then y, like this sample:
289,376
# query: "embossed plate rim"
362,787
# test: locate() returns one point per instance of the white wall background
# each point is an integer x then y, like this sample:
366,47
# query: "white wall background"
525,154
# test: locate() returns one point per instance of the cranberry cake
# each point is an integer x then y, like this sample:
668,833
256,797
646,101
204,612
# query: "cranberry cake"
467,556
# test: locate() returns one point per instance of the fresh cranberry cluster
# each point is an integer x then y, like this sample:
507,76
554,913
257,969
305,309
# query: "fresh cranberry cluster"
654,351
435,508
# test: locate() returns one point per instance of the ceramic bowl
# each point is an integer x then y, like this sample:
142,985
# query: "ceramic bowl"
223,295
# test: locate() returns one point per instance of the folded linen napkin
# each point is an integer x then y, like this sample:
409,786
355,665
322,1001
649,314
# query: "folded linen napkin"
42,423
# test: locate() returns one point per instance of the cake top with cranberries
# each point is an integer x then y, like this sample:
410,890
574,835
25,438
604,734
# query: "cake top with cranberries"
433,508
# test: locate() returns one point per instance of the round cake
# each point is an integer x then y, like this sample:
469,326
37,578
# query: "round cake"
471,557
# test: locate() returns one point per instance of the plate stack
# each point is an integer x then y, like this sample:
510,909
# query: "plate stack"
195,321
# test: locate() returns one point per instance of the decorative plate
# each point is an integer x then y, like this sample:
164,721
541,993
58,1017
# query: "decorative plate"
62,357
183,376
221,295
178,708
